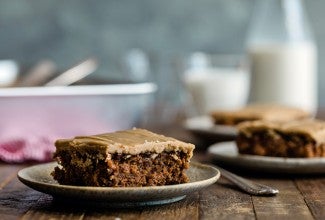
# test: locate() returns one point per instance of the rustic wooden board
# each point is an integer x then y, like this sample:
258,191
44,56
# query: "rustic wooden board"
15,198
301,198
48,208
313,191
8,173
223,201
185,209
288,203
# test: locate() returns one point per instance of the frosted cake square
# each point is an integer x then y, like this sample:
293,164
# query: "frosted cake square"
135,157
302,138
268,112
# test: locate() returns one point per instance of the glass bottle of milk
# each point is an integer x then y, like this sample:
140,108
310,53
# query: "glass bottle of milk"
283,55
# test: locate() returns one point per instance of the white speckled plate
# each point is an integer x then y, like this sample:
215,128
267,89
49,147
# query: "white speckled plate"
38,177
227,152
203,127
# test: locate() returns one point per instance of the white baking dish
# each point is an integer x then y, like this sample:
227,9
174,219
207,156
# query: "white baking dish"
74,110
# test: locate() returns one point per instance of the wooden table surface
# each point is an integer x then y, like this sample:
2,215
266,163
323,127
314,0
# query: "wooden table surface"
300,197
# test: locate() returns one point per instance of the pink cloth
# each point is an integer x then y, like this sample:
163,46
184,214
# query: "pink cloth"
20,149
31,138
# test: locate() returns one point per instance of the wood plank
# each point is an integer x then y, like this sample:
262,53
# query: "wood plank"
185,209
289,203
113,214
48,208
8,172
223,201
15,198
313,191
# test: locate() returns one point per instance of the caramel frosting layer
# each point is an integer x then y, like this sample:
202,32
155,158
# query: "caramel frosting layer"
132,141
314,129
270,112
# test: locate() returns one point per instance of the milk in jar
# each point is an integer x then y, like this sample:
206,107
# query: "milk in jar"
282,55
285,74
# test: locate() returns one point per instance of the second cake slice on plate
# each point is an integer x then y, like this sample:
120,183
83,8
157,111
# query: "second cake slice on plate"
301,138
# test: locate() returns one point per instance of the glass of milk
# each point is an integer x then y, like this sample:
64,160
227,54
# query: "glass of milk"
282,55
215,82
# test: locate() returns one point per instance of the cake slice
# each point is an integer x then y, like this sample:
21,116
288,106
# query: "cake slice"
302,138
134,157
269,112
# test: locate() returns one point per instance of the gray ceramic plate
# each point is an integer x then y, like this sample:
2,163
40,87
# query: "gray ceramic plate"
226,152
38,177
203,127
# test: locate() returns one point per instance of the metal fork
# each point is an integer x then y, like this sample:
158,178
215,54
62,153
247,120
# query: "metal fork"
248,186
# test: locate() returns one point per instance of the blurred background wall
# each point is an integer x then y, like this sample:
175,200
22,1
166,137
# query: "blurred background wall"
70,31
